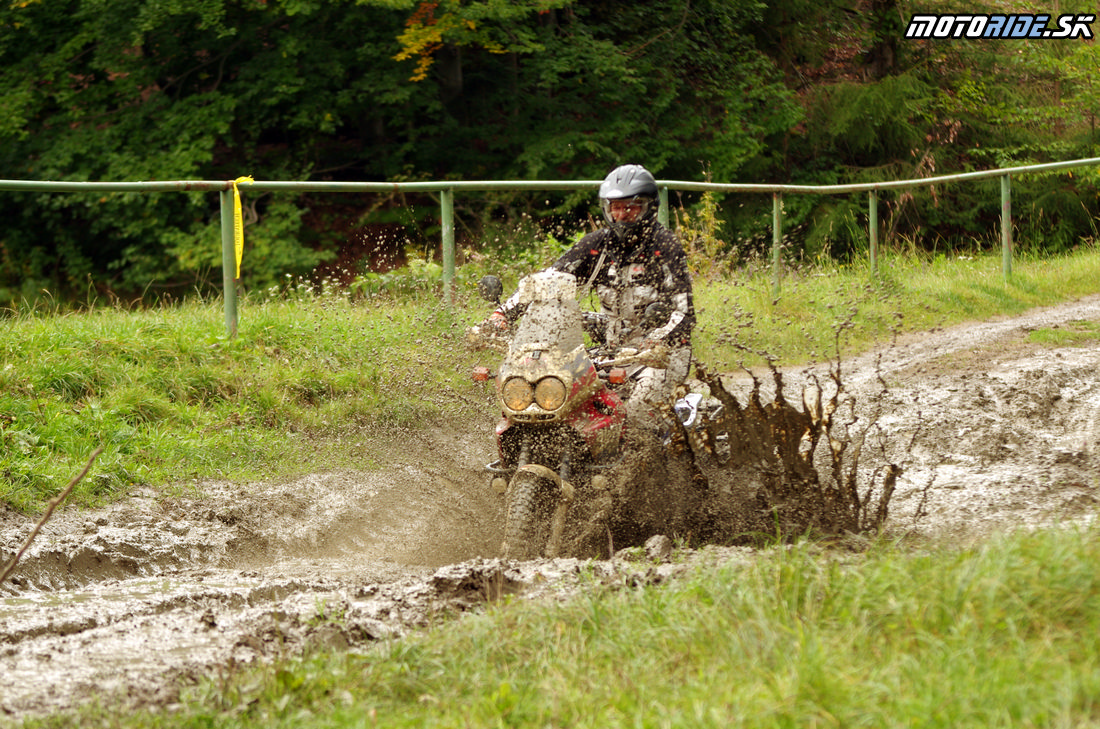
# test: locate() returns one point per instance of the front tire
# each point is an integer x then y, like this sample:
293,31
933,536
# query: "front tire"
529,505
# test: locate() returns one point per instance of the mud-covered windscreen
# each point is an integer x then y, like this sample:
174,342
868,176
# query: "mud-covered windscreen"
554,323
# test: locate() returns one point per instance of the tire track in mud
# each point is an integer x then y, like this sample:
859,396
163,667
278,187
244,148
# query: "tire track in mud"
1000,432
130,603
144,596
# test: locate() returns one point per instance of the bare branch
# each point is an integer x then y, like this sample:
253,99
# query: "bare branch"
54,503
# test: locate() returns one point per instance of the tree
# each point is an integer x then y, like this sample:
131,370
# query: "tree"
144,90
336,89
475,89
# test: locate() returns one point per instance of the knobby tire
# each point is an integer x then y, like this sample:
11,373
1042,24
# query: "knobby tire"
527,521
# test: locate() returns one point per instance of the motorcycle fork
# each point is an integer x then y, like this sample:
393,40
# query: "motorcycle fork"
561,508
524,453
565,469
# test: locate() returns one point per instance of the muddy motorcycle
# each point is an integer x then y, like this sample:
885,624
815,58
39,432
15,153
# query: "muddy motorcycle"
562,413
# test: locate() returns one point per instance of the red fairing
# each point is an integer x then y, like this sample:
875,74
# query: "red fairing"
603,410
584,381
502,425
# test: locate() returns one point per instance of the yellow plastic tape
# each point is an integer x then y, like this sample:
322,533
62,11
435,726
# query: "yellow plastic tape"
238,222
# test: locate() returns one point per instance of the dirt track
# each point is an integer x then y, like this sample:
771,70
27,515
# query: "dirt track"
148,595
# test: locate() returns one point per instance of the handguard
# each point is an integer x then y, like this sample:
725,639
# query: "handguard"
486,336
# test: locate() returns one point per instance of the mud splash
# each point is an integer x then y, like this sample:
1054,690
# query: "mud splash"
127,605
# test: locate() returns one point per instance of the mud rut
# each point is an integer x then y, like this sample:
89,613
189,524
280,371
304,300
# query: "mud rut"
130,604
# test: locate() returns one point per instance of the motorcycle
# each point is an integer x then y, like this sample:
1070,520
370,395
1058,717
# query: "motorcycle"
563,419
559,423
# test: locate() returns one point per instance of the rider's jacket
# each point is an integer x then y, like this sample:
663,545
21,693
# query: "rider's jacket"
647,266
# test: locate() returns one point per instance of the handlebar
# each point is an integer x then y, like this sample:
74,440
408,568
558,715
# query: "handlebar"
656,356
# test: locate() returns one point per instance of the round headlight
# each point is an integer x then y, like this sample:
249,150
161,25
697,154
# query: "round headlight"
550,393
517,394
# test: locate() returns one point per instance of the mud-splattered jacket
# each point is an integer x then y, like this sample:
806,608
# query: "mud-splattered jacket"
628,275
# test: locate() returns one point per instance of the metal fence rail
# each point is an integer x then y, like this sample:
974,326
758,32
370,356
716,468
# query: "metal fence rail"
446,189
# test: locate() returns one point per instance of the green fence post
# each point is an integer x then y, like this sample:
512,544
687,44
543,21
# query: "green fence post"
662,208
872,228
1006,226
447,205
777,239
229,265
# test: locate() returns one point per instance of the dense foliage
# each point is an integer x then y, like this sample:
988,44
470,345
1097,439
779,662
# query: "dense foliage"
792,91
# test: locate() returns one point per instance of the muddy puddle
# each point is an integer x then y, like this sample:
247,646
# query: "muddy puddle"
131,603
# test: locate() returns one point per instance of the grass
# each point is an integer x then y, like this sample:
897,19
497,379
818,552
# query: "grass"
908,294
172,400
1004,634
1073,334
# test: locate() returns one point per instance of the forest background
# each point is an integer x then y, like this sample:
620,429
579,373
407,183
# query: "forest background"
790,91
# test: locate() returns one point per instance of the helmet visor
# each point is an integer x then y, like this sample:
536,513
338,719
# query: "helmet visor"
625,210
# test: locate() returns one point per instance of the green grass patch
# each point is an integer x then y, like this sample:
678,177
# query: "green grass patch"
1072,334
171,399
741,316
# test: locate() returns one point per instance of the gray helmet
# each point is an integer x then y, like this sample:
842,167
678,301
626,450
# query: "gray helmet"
629,182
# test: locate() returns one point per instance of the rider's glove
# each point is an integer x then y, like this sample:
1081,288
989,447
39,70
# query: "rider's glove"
498,322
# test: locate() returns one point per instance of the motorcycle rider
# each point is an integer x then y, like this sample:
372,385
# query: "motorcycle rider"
639,270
